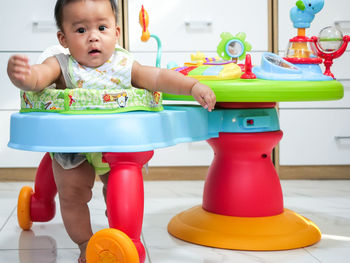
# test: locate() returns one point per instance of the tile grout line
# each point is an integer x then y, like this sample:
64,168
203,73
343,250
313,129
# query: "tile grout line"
146,248
38,249
8,218
307,251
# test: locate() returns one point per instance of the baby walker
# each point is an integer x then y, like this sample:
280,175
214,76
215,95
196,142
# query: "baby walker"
242,200
107,245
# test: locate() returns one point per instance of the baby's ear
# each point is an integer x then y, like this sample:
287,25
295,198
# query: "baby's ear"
62,39
117,31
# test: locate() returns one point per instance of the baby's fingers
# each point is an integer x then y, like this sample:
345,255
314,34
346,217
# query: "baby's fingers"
19,73
19,59
18,63
18,67
210,101
206,101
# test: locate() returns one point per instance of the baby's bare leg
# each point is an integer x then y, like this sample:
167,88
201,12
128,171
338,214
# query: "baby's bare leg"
104,179
74,191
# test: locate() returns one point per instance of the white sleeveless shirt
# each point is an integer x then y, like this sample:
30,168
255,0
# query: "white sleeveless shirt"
109,84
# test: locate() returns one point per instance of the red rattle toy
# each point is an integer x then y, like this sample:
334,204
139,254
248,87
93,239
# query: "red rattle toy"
329,45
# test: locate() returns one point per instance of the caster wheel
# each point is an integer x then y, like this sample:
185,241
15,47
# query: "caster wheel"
111,246
23,208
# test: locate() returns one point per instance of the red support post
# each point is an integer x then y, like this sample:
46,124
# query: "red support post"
125,194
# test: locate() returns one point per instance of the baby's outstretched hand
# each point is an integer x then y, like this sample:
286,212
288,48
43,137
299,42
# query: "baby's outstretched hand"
204,95
18,69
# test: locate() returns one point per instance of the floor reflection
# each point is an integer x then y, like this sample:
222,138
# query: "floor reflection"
35,249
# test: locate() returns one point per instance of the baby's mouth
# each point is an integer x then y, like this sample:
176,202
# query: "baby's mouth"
94,51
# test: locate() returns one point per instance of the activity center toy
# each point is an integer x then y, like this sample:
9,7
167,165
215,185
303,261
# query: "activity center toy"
242,200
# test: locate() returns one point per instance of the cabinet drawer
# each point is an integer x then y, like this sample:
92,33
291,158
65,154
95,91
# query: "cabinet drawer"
184,154
10,157
27,25
9,100
192,25
315,137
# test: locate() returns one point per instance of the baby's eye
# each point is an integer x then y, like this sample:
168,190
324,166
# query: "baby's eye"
81,30
102,28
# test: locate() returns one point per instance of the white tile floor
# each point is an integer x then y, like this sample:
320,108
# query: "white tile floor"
327,203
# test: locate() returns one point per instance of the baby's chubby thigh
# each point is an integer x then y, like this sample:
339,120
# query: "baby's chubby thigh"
74,185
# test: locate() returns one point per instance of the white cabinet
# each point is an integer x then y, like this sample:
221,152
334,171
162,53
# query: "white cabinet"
188,26
27,27
316,133
315,137
185,27
10,157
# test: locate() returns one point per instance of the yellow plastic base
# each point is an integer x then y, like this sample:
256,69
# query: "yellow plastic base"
23,208
111,246
285,231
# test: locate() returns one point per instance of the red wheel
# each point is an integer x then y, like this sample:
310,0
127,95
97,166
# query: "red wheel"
23,208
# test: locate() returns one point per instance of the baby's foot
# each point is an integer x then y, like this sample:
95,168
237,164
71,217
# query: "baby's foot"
82,248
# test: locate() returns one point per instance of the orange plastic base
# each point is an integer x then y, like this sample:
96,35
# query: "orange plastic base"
111,246
284,231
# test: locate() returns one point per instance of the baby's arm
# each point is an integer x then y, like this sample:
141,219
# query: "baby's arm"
35,77
169,81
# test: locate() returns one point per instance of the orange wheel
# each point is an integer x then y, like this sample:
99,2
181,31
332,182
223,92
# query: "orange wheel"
23,208
111,246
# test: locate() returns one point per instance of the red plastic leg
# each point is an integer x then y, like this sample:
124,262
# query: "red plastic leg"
328,63
125,196
42,206
242,180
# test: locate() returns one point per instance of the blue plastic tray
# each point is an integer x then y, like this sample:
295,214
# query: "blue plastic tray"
132,131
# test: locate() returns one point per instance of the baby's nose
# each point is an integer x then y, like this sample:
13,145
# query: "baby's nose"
94,37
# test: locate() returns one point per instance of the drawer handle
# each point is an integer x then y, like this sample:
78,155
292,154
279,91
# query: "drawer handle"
44,26
338,138
198,25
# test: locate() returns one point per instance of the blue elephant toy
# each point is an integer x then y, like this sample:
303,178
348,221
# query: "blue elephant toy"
304,12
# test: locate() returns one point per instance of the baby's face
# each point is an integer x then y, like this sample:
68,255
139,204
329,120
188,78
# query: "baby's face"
89,31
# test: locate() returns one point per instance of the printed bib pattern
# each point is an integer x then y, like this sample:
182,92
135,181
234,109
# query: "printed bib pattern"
105,89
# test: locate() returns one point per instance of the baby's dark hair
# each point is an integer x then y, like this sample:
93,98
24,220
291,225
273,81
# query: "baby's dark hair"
61,3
